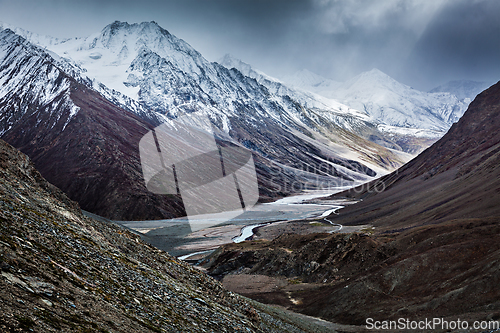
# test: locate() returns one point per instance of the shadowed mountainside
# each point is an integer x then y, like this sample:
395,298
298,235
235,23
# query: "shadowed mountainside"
456,178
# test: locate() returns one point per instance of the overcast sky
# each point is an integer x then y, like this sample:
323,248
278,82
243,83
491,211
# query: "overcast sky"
422,43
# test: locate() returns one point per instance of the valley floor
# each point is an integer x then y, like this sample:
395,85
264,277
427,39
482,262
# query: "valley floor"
301,214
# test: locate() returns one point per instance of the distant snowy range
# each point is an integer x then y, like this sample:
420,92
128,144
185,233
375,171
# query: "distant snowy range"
361,129
395,107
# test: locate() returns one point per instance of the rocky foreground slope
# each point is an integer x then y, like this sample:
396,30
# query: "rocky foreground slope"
62,271
429,249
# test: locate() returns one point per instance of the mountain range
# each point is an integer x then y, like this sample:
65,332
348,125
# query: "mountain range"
399,111
393,103
91,99
84,135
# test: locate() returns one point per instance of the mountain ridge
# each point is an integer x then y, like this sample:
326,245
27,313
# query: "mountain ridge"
76,153
179,82
462,88
411,139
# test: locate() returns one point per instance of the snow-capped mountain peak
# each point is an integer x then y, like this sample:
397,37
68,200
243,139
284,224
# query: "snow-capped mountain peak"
31,36
376,73
307,77
229,61
375,81
119,36
397,104
106,56
305,98
35,78
391,102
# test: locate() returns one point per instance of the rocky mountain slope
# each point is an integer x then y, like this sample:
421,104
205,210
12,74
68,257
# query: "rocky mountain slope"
62,271
429,245
455,178
445,271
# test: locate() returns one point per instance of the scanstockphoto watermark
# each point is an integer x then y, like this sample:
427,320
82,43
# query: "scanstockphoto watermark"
430,324
332,174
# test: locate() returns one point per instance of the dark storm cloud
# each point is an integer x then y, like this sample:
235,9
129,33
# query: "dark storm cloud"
462,42
419,42
334,38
